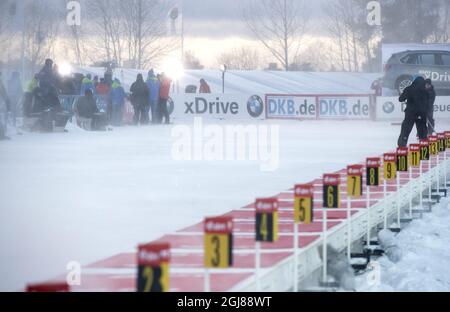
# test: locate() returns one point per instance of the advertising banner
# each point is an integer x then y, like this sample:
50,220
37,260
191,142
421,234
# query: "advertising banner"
217,106
389,108
304,107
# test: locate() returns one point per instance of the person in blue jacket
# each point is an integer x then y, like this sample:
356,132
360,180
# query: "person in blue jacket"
154,85
87,83
117,99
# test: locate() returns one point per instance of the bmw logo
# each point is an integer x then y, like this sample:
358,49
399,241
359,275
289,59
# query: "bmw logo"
170,106
255,106
388,107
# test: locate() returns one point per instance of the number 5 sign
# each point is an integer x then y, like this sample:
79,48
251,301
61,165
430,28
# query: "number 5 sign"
153,267
218,242
304,203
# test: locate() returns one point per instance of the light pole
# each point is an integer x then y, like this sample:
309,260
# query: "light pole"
224,69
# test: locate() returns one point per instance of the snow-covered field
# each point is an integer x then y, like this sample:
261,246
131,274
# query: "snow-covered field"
82,196
425,257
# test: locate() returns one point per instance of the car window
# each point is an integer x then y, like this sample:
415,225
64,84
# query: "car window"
410,59
445,59
427,59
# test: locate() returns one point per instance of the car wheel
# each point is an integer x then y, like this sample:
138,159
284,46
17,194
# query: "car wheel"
402,83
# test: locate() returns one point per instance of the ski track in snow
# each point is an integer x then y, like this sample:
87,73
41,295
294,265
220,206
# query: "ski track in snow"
425,262
82,196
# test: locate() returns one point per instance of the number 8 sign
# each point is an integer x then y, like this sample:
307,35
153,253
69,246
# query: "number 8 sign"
218,242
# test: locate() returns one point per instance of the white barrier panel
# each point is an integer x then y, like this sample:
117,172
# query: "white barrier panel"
217,106
389,108
301,107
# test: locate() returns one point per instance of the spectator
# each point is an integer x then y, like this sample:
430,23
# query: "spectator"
5,99
28,96
87,83
204,87
86,106
15,93
102,88
108,75
154,87
163,98
117,100
95,81
140,100
48,91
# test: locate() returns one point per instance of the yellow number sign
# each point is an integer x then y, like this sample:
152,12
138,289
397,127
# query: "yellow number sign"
331,194
434,150
442,142
390,166
355,181
304,203
373,176
424,150
218,242
414,155
402,159
266,220
153,267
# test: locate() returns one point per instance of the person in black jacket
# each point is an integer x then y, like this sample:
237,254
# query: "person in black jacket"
431,99
140,95
86,105
416,111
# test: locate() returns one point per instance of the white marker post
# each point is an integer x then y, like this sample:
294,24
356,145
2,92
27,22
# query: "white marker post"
303,213
218,234
390,174
354,189
435,148
266,224
331,199
415,162
373,179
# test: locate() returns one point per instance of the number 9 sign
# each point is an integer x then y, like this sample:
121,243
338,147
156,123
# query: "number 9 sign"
390,166
218,242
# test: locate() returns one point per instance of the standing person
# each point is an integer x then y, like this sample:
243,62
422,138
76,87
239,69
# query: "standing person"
3,97
417,103
102,88
117,100
28,96
204,87
431,99
163,98
48,87
15,93
87,83
154,88
140,100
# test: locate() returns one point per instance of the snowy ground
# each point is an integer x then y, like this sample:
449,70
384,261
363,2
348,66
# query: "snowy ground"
86,196
425,257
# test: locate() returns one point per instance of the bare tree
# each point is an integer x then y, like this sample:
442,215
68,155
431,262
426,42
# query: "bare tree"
279,25
346,22
41,30
144,22
241,58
